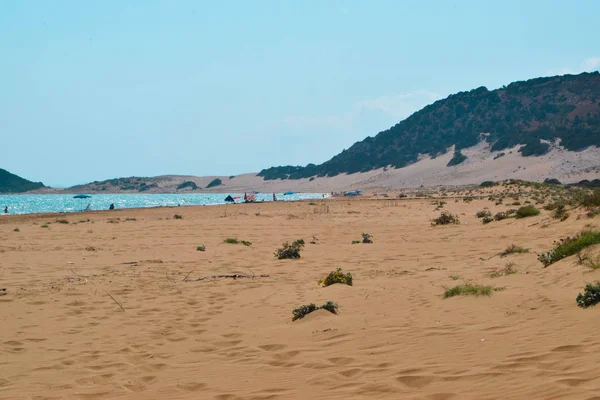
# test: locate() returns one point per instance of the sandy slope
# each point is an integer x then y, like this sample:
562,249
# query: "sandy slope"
481,165
62,336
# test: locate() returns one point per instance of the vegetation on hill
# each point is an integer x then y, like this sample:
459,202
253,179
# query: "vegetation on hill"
11,183
133,183
214,182
560,107
187,184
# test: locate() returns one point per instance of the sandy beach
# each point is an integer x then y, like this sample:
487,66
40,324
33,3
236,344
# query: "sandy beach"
109,305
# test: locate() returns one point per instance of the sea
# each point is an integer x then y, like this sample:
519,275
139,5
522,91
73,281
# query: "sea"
58,203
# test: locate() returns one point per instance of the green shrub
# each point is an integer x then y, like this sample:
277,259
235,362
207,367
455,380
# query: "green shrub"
231,241
455,277
303,311
44,226
592,199
560,213
483,214
446,218
569,246
290,251
177,216
213,183
62,221
486,220
592,213
366,238
527,211
516,203
468,289
16,230
336,276
312,204
246,243
356,242
590,296
201,248
487,184
513,249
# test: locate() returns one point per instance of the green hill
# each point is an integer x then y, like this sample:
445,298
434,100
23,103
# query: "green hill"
11,183
560,107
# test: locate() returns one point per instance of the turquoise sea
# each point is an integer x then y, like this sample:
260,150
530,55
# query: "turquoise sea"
50,203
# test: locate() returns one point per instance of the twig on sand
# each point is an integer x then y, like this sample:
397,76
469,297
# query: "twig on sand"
169,279
252,272
119,304
232,276
86,281
184,279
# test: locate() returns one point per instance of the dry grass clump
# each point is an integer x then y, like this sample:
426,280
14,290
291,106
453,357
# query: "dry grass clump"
509,269
446,218
304,310
336,276
201,248
290,251
527,211
366,238
177,216
62,221
469,289
483,214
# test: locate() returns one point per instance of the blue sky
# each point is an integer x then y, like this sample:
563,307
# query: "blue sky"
96,90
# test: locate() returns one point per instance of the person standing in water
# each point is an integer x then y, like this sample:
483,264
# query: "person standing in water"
6,210
274,197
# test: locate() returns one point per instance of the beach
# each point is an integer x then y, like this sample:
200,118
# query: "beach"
109,304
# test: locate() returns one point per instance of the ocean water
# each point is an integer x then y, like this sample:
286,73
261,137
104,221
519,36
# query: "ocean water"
46,203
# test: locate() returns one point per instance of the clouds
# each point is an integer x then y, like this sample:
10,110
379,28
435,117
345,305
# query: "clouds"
588,65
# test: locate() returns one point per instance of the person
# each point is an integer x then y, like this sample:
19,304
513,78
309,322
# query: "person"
274,197
112,207
6,210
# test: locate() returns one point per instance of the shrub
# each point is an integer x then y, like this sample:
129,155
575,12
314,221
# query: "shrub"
337,276
214,182
246,243
44,226
177,216
593,213
590,296
513,249
455,277
201,248
62,221
487,220
527,211
446,218
356,242
456,159
569,246
16,230
560,213
231,241
468,289
315,240
500,216
290,251
487,184
366,238
187,184
303,311
509,269
312,204
592,199
516,203
483,214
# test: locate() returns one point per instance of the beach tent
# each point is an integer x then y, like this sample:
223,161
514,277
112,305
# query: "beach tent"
229,199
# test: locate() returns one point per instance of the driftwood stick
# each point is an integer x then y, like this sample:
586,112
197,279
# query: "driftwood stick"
232,276
184,279
119,304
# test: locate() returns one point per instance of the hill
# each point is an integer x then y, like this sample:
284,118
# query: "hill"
11,183
535,114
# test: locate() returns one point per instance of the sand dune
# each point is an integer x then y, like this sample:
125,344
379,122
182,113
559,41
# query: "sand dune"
63,336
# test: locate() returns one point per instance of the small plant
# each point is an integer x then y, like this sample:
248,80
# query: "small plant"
527,211
303,311
290,251
312,204
177,216
509,269
314,240
246,243
356,242
455,277
62,221
336,276
44,226
231,241
483,214
560,213
593,212
514,249
468,289
516,203
590,296
487,220
366,238
487,184
591,262
446,218
130,219
569,246
201,248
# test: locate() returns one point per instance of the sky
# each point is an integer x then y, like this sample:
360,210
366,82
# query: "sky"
92,90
